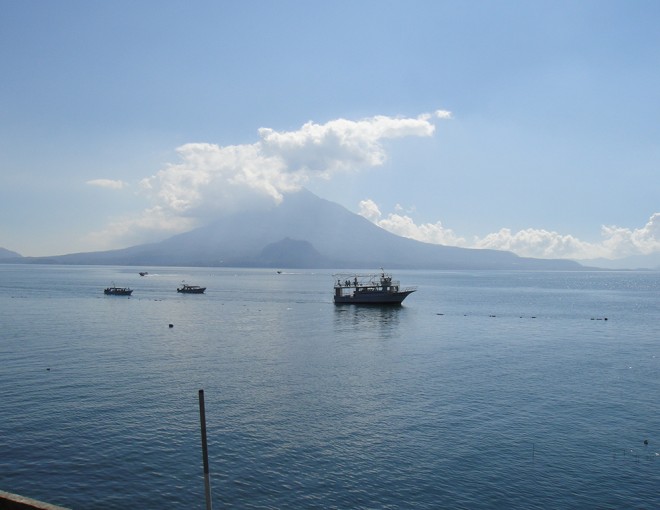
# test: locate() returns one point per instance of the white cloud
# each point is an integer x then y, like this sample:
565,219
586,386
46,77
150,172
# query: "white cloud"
339,145
369,210
539,243
107,183
438,114
147,227
443,114
616,242
209,179
403,225
624,242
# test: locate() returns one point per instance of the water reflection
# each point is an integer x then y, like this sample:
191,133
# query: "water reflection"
383,319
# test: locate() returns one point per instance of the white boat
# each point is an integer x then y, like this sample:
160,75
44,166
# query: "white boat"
369,289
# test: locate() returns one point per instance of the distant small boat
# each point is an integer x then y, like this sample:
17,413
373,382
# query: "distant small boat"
143,273
369,289
191,289
279,272
117,291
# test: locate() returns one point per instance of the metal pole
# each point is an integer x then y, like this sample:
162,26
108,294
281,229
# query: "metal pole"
205,451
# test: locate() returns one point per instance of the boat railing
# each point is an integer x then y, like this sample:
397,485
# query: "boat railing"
362,281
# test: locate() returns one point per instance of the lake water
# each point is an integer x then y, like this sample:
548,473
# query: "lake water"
485,390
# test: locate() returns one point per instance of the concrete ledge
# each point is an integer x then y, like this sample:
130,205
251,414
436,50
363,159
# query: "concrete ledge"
10,501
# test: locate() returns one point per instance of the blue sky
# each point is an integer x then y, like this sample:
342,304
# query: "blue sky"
530,125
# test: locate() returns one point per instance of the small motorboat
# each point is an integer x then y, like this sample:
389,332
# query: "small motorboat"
191,289
117,291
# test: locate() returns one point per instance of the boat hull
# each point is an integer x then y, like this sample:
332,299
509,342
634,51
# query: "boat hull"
192,291
373,298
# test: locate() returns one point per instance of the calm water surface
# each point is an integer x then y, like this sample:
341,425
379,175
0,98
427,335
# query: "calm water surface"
485,390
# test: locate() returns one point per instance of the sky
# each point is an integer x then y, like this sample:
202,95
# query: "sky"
529,126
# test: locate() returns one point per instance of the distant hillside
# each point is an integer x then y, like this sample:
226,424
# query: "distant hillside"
8,254
649,262
291,253
304,231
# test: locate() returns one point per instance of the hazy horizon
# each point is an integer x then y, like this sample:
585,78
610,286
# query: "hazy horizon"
525,127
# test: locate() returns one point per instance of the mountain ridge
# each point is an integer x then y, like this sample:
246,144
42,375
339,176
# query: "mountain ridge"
302,231
8,254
